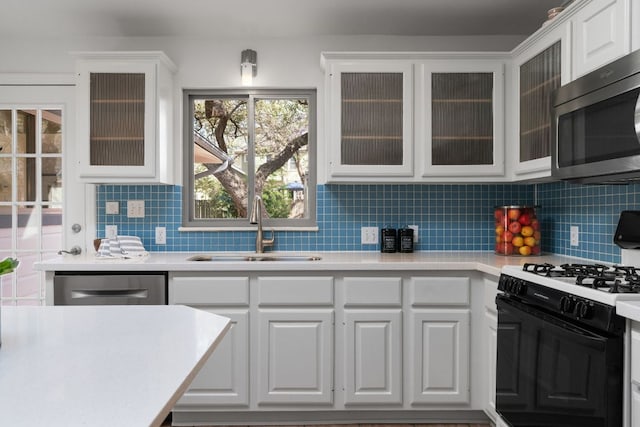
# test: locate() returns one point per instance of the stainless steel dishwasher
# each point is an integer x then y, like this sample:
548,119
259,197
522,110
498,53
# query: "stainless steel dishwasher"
109,288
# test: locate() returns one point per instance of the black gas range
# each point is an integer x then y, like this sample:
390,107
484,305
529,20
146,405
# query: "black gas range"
561,344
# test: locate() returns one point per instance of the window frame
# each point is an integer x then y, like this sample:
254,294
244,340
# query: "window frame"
188,205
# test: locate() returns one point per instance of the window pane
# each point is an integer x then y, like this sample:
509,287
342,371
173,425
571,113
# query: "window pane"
52,179
220,160
28,230
26,168
51,228
51,131
6,132
5,180
281,153
28,279
26,127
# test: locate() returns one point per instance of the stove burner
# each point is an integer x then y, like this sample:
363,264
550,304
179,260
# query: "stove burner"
613,279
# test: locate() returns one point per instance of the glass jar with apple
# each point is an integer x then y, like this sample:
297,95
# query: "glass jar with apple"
517,230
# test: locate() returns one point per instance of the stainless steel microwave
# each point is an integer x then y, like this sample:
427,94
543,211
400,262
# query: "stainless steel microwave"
595,131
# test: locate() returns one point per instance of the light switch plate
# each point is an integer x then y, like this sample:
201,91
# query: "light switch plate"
112,208
135,209
574,235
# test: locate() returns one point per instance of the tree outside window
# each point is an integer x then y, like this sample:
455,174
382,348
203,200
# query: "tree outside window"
239,145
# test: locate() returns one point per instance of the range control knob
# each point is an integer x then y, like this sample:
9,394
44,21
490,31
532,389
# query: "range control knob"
583,310
520,287
566,304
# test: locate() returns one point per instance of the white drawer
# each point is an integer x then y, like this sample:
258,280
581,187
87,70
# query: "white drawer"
203,290
373,291
425,291
295,290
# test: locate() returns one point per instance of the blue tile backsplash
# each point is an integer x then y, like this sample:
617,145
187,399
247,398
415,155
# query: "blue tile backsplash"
451,217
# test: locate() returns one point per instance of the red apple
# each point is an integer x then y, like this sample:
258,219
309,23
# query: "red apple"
525,219
515,227
508,249
498,214
507,236
535,224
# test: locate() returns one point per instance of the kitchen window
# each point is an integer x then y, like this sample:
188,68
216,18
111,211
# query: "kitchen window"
239,144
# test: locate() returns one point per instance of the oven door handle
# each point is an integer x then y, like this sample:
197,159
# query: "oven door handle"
563,326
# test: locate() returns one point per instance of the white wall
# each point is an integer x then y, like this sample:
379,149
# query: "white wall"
215,63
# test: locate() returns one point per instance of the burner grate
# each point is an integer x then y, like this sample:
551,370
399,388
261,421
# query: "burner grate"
612,279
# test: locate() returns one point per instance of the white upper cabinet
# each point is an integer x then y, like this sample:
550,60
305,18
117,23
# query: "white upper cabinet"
601,33
414,117
124,120
369,114
541,65
459,117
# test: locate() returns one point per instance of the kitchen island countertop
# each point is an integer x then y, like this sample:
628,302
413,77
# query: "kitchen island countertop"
100,365
486,262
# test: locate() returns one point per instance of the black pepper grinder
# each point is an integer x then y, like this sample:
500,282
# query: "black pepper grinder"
405,237
388,241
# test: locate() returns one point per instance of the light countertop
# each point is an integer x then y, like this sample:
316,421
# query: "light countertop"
100,365
629,309
486,262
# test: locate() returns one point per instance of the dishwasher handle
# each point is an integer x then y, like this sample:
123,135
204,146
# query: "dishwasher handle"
109,293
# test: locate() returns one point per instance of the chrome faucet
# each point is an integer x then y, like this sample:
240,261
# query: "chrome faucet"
256,218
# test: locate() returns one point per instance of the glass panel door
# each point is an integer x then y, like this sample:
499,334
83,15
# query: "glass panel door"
372,119
31,197
539,77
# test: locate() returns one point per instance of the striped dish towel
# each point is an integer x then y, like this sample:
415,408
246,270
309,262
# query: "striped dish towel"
122,247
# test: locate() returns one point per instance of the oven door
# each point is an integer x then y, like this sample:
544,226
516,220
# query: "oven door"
551,372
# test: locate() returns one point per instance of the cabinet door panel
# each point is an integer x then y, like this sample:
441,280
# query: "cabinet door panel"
492,331
224,379
601,34
295,357
441,358
370,105
462,120
373,365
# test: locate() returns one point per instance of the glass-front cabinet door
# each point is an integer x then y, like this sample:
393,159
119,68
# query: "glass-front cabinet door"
370,115
123,116
540,68
460,122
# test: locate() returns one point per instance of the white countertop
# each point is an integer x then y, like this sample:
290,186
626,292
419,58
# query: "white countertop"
100,365
629,309
486,262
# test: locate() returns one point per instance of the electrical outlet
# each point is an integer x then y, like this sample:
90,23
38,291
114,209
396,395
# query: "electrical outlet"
369,235
161,236
135,209
111,208
415,232
574,235
111,231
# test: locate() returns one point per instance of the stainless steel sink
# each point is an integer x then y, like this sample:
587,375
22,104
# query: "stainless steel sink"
254,257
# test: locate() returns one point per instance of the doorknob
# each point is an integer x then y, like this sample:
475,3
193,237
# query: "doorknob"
76,228
76,250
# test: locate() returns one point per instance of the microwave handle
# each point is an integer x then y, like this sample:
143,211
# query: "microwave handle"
636,118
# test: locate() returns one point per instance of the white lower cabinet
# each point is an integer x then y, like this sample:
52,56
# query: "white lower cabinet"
295,340
490,338
441,356
295,357
402,343
372,341
439,340
224,379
